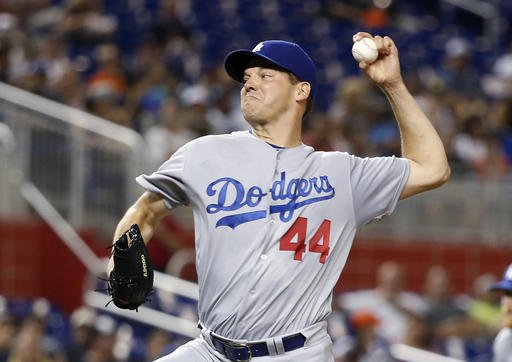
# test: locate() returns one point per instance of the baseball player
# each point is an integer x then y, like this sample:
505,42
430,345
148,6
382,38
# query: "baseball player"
502,347
274,219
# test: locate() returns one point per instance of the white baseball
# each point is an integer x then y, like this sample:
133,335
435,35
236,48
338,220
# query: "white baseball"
365,50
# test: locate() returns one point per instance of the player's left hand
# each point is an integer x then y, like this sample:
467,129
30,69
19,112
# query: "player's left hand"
385,71
131,279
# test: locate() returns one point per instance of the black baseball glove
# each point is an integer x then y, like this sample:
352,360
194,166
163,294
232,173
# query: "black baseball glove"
131,280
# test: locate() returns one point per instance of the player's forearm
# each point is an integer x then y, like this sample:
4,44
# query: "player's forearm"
136,215
146,212
421,143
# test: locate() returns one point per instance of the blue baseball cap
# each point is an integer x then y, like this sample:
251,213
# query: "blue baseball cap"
289,56
506,283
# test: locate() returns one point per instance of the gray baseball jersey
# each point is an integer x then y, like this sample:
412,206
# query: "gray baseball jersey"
273,226
502,347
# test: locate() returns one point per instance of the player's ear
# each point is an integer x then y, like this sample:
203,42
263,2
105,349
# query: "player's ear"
303,90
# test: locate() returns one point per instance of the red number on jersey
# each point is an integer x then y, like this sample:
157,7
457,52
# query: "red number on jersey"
298,229
322,233
298,232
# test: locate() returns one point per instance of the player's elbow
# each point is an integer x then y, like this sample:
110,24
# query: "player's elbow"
447,173
436,177
440,176
423,179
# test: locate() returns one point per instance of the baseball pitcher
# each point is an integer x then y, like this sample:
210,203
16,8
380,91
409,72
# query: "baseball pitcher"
275,219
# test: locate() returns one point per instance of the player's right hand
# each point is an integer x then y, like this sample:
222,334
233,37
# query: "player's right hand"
385,71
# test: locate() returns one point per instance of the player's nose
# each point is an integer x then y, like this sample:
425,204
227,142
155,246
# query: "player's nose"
250,84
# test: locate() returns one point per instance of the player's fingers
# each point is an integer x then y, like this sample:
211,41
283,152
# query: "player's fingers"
381,46
363,65
388,43
360,35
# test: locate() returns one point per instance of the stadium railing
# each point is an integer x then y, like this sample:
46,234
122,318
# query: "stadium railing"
464,210
83,164
76,171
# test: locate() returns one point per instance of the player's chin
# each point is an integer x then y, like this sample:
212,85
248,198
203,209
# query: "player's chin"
250,103
251,113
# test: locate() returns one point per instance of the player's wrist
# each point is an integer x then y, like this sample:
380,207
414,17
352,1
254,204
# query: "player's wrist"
393,88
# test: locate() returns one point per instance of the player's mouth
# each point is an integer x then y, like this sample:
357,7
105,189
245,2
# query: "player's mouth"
251,96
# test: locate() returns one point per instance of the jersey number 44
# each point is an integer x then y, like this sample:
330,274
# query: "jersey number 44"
295,239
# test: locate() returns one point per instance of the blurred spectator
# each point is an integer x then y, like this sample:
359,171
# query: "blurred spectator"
195,99
8,330
84,24
498,83
83,332
502,347
353,95
106,86
383,135
181,59
369,14
484,307
52,57
367,345
484,319
169,134
318,134
157,343
470,146
444,317
340,330
459,74
108,76
170,20
149,93
419,333
102,345
69,89
4,58
505,120
30,343
387,302
435,100
223,116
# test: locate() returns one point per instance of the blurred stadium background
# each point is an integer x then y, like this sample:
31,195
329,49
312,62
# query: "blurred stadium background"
95,92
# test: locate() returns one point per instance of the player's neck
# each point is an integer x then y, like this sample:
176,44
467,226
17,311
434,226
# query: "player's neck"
279,136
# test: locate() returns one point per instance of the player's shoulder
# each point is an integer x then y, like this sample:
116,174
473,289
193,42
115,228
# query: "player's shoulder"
218,139
502,344
336,156
504,335
221,138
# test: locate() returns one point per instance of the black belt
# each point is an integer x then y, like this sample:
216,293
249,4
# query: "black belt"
240,352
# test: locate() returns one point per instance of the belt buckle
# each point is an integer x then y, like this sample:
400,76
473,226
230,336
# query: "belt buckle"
235,345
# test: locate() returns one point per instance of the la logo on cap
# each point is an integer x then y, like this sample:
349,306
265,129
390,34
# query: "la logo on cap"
258,47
